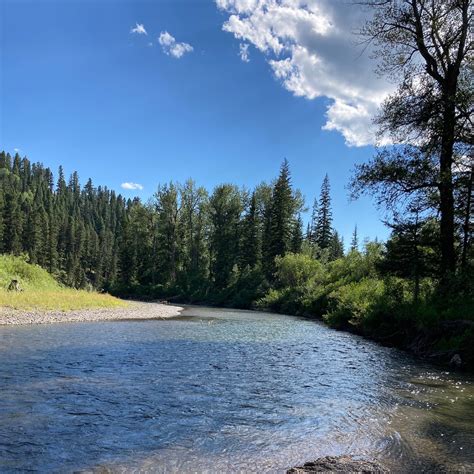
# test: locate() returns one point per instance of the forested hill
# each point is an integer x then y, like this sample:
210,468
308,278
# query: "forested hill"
71,231
184,242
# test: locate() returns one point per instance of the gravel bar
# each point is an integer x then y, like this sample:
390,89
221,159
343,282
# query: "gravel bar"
134,310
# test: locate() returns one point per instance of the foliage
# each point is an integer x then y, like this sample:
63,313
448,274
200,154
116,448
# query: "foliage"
353,303
430,47
355,292
183,244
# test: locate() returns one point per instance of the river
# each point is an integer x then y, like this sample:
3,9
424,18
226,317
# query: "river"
222,390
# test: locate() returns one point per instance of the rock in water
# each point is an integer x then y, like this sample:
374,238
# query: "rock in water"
338,464
456,361
14,286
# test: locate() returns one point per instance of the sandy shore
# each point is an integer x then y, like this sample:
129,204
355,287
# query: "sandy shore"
135,310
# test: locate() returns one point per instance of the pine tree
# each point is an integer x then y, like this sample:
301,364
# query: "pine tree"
225,209
14,218
61,186
280,219
323,231
336,248
355,240
411,250
297,235
167,251
51,250
193,230
312,225
250,244
128,250
3,162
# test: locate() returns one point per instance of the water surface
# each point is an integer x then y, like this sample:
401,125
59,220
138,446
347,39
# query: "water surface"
222,390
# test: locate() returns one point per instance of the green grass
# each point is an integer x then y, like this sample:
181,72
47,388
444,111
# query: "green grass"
42,292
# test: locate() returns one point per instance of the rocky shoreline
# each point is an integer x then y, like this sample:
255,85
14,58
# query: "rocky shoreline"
338,464
133,311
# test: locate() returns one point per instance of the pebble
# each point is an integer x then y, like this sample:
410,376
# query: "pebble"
134,310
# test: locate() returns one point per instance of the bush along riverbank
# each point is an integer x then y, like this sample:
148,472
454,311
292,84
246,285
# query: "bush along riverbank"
355,293
352,294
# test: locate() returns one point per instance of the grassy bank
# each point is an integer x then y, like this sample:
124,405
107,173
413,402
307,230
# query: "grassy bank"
40,291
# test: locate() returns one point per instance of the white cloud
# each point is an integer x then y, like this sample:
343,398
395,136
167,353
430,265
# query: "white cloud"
310,46
139,29
171,47
244,52
16,150
129,185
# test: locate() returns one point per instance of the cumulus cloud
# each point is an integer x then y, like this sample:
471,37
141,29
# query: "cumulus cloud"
139,29
171,47
244,52
130,186
310,46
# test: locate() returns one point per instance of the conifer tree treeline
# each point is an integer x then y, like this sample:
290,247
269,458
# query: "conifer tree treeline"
183,242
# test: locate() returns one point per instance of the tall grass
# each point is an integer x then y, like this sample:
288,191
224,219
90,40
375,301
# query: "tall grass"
42,292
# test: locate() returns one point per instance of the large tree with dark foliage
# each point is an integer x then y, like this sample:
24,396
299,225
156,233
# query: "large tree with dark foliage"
251,241
429,45
281,219
225,212
411,250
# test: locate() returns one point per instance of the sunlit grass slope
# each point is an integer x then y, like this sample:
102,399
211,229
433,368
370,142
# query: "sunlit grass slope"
41,291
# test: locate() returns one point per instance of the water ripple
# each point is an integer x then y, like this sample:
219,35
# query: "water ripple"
221,391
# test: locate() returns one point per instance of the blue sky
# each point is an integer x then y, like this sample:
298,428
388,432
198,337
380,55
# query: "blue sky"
80,89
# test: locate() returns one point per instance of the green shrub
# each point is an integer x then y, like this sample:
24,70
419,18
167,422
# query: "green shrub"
353,303
272,300
295,270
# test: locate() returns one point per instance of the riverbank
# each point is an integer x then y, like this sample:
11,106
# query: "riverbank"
132,311
448,344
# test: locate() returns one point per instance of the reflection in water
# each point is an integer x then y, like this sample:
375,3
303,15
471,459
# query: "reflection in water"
222,390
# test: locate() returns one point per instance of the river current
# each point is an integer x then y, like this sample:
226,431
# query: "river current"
221,390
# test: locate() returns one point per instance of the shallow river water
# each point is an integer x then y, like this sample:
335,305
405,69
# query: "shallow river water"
218,391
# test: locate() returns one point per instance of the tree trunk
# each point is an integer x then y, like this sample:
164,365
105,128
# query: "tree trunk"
448,256
416,263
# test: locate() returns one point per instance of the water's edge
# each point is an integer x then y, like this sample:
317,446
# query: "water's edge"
421,344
